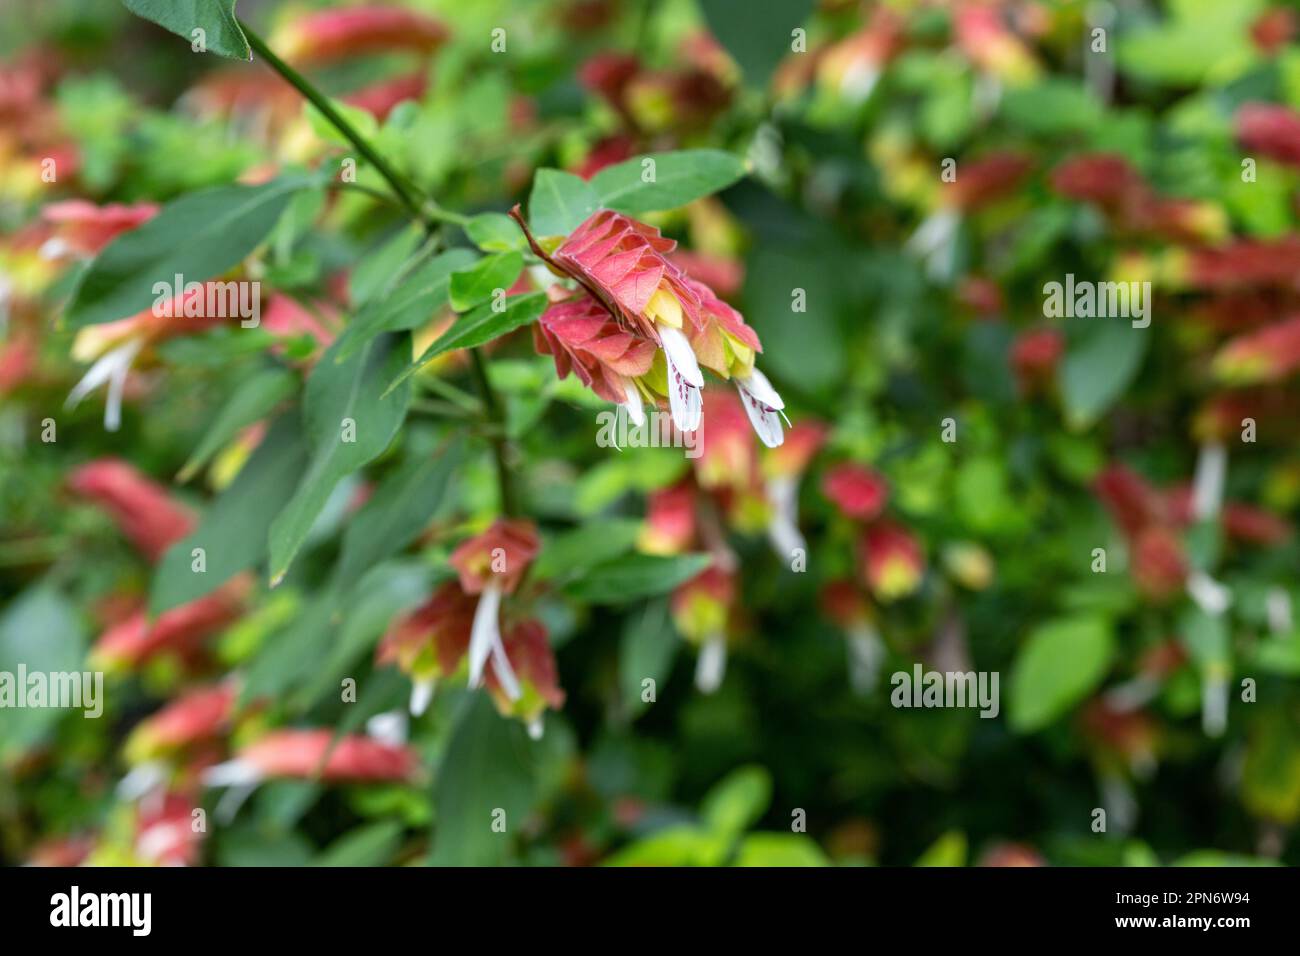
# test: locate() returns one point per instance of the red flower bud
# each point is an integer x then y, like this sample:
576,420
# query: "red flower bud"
308,754
1270,130
330,35
1265,355
1159,567
87,228
197,716
670,520
181,631
857,491
142,509
1034,356
891,556
499,555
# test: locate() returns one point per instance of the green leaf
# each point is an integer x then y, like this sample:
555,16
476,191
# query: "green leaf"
567,555
478,283
495,232
415,296
232,533
636,576
559,202
1054,107
478,328
1099,366
398,510
379,269
350,420
370,845
42,631
484,770
779,849
1060,664
675,179
948,850
251,401
197,236
646,651
681,845
216,18
738,801
757,33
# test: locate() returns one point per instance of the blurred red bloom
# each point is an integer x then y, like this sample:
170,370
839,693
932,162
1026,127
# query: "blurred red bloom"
987,179
430,641
533,663
859,492
196,716
499,556
142,509
308,754
892,560
1270,130
328,35
1265,355
670,520
86,228
379,99
1273,29
1034,356
182,630
1158,563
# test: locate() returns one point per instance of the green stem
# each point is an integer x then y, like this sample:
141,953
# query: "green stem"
405,190
422,208
494,416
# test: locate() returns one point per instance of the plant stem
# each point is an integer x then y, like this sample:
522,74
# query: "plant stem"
422,208
405,190
493,409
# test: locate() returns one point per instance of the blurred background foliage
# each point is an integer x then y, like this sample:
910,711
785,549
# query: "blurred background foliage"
924,303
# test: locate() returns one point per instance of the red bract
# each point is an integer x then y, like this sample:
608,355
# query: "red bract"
987,179
621,266
584,339
165,834
1034,356
1266,355
142,508
330,35
670,520
857,491
180,631
533,663
801,445
85,228
380,98
1159,566
844,603
312,754
1246,263
498,557
195,717
1272,30
1133,504
431,641
892,560
1270,130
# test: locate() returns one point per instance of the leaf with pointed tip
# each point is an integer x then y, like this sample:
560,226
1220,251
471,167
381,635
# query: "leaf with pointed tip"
674,180
478,328
216,18
480,282
232,533
559,203
495,232
350,419
252,400
198,236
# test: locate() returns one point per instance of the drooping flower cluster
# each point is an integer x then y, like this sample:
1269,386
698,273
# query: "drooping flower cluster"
638,329
459,631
